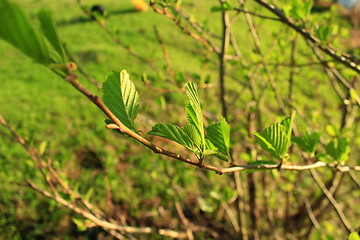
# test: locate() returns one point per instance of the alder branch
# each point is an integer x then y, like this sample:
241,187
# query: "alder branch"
336,55
199,38
72,79
333,75
197,27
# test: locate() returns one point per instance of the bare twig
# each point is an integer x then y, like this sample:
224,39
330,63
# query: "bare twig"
198,28
243,10
335,75
332,200
292,70
185,221
354,179
199,38
105,224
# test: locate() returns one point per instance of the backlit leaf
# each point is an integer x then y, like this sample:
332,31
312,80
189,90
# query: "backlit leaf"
308,142
219,135
121,97
174,133
338,149
194,113
276,138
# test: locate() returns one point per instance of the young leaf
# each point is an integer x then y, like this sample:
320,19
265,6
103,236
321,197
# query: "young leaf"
17,29
354,236
338,149
276,138
174,133
194,114
48,28
212,150
225,6
308,142
121,97
193,134
322,32
219,135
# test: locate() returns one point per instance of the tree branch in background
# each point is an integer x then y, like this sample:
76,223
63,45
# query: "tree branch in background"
336,55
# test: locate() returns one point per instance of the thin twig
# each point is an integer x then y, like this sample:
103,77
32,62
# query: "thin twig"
199,38
354,179
243,10
105,224
292,70
332,200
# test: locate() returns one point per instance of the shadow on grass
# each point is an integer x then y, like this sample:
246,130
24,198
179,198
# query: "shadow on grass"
84,19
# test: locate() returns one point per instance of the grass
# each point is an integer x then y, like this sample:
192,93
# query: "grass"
45,109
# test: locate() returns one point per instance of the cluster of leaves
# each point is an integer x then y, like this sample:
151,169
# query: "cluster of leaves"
121,97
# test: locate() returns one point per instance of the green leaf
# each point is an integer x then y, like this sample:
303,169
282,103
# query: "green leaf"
308,142
174,133
219,135
193,134
194,113
121,97
276,139
338,149
322,32
17,29
79,224
212,150
354,236
300,10
48,27
224,7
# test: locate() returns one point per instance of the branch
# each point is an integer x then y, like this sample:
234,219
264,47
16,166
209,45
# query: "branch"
201,39
332,200
243,10
339,57
105,224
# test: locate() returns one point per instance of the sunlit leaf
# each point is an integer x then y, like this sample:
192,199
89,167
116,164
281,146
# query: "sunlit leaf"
338,149
174,133
308,142
276,139
194,113
224,7
193,134
121,97
219,135
354,236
